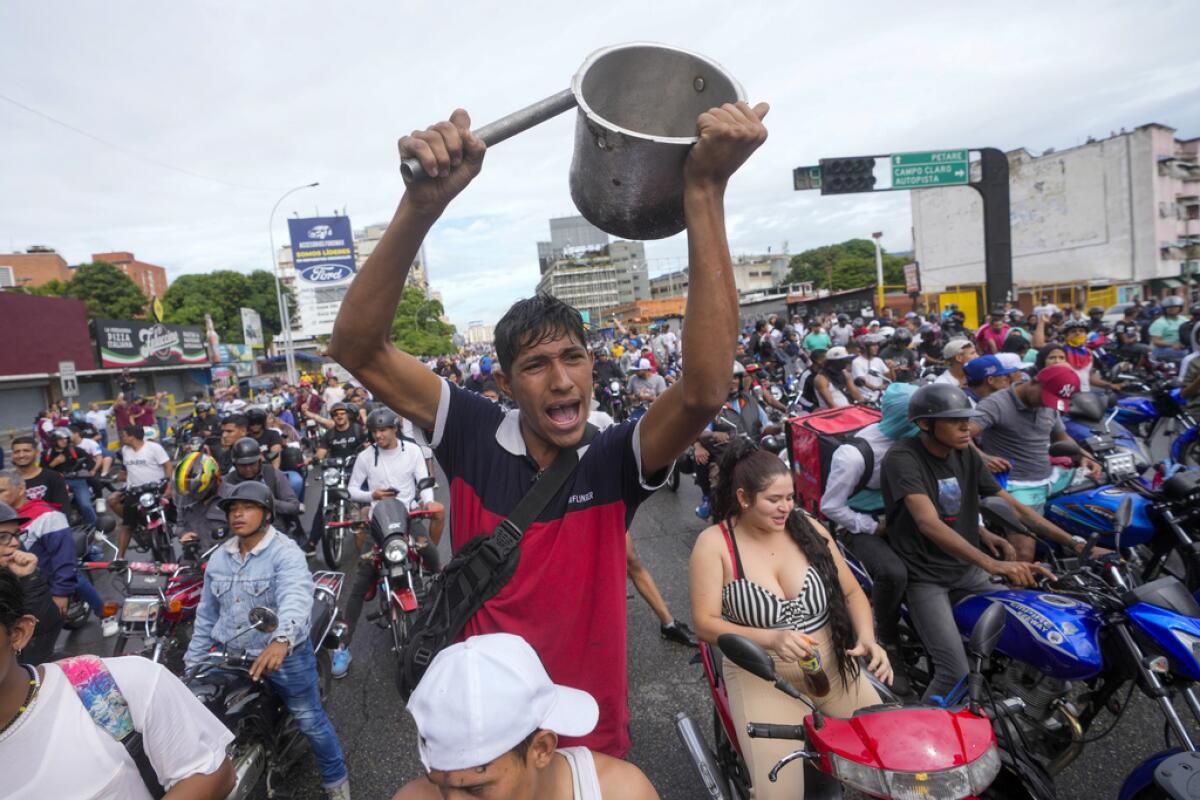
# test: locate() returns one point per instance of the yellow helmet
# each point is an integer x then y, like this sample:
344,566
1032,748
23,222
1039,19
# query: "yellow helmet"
196,476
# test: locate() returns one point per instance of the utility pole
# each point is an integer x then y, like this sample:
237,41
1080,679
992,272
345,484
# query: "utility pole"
878,273
285,317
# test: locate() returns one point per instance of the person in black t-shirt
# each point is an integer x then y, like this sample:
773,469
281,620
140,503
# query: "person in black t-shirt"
343,439
931,487
70,462
40,484
269,441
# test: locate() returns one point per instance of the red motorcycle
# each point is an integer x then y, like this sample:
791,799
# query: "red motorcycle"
887,751
156,617
402,572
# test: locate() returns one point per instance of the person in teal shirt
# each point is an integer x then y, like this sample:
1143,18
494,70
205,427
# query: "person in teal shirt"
818,339
1164,331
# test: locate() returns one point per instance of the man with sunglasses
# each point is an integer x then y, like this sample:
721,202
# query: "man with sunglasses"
344,437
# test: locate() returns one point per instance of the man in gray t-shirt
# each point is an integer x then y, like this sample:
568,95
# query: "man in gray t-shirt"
645,384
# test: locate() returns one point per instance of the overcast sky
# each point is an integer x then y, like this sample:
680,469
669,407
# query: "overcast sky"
261,97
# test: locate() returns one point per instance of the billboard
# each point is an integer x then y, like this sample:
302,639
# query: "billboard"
323,256
137,343
252,330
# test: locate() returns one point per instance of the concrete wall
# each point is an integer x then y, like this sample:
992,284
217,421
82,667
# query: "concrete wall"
1084,214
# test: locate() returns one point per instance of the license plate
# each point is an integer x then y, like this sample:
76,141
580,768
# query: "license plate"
139,609
398,571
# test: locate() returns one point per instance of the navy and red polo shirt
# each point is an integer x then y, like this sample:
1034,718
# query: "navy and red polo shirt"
567,597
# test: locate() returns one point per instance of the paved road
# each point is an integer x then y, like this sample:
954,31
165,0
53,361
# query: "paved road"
379,737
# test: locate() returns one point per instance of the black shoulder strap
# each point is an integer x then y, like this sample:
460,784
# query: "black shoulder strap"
868,463
509,532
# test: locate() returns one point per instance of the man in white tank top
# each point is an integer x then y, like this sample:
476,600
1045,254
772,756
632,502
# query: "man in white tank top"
488,721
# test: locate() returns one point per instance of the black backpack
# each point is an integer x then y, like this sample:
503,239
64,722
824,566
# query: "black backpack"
476,573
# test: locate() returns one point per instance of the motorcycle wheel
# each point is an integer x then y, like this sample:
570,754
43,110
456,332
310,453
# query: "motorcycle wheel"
121,645
674,481
160,545
1190,455
399,626
331,541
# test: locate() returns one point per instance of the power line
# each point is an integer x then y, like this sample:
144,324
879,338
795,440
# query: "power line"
132,153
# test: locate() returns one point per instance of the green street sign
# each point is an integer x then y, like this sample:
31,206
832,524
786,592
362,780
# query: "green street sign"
933,168
804,178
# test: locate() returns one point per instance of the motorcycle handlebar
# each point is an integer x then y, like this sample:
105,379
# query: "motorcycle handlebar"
762,730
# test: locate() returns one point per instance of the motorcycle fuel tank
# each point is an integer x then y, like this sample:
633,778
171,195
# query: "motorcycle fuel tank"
1095,511
1134,410
1057,635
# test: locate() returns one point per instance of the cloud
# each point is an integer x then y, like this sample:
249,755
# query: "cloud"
276,95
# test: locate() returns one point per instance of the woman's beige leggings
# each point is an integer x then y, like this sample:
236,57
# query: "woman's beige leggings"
752,699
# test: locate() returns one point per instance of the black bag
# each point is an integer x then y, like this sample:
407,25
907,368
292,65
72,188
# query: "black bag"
476,573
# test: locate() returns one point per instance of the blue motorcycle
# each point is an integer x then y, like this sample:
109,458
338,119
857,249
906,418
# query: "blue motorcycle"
1162,406
1077,645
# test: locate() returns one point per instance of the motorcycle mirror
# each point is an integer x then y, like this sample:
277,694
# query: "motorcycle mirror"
426,483
987,631
1124,513
747,655
263,619
1065,449
998,513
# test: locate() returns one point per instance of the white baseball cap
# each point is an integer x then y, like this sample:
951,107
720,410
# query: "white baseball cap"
482,697
644,364
1010,360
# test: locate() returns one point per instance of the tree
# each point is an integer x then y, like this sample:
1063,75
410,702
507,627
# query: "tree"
53,288
418,327
223,294
853,264
107,292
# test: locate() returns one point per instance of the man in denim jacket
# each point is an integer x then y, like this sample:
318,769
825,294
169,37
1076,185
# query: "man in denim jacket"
262,567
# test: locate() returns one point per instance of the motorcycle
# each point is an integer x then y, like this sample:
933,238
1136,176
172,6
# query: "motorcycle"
152,533
337,510
612,400
159,607
1089,416
1069,647
312,434
1164,408
888,750
398,563
86,538
267,742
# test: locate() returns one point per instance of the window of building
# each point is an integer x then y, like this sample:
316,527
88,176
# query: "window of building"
7,279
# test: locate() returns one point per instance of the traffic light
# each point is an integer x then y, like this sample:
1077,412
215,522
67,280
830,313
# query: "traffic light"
847,175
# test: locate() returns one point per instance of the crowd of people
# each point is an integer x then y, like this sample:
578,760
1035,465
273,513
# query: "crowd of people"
531,698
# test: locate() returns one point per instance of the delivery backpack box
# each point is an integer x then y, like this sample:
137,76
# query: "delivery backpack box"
811,441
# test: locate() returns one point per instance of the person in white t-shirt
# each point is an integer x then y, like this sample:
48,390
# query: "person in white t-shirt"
872,369
98,417
142,463
51,747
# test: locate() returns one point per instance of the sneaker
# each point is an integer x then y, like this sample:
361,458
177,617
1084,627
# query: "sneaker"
109,627
310,549
339,792
341,663
702,509
678,632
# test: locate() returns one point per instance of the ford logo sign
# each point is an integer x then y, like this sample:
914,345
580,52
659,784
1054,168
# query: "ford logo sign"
325,273
320,232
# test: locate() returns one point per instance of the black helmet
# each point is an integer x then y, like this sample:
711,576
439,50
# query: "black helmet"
255,492
246,451
926,331
202,406
1074,323
1016,316
939,401
843,319
1095,311
336,407
912,315
388,517
1194,310
382,418
902,337
256,415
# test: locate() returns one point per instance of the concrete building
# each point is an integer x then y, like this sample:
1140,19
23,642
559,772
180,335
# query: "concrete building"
365,241
478,333
1120,211
566,234
592,281
150,278
645,311
751,273
37,266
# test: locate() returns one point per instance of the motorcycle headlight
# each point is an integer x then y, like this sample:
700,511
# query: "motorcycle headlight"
776,392
395,550
332,477
963,781
146,500
139,609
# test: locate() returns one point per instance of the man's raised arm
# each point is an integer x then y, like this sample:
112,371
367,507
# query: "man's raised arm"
452,156
728,135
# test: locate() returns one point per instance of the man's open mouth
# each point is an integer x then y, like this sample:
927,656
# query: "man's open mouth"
565,415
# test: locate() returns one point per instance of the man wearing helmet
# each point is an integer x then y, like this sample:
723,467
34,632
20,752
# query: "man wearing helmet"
1164,331
900,357
195,482
391,469
842,332
269,441
931,489
248,465
70,461
344,439
259,566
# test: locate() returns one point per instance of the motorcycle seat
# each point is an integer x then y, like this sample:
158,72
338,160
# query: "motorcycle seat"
80,534
1087,408
1166,593
1182,485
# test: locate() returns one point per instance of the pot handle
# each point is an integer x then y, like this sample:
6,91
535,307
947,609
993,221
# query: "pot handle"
503,128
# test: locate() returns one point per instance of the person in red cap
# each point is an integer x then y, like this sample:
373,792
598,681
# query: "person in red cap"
1014,430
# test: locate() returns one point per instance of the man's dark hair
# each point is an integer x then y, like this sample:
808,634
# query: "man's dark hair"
236,420
521,751
491,386
29,440
531,322
135,430
12,608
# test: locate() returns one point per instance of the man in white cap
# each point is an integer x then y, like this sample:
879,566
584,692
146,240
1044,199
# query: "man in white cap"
957,353
645,383
488,721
